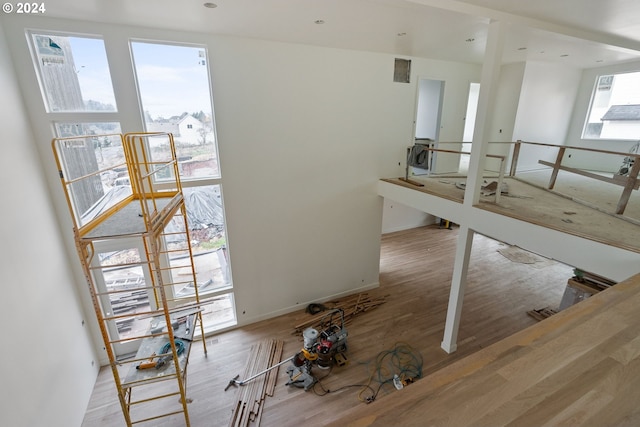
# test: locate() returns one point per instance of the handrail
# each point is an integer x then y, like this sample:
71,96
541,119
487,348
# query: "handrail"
439,150
495,156
573,147
629,183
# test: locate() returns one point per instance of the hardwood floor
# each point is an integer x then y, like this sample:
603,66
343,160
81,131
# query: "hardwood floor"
415,274
580,367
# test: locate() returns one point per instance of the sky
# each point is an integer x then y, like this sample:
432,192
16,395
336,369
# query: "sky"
172,79
91,65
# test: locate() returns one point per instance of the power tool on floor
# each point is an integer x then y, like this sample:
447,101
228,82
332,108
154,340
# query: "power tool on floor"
321,348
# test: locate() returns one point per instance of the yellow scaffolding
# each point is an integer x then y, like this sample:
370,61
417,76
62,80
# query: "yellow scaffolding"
122,189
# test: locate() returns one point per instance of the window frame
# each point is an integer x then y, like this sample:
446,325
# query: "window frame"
585,135
186,181
194,182
129,113
30,33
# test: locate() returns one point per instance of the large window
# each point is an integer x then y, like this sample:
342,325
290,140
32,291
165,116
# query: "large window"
174,95
74,72
615,108
122,280
75,83
173,84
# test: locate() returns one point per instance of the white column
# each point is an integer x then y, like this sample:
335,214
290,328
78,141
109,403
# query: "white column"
458,284
484,116
486,98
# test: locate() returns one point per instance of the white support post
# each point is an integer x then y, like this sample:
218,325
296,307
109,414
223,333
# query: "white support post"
500,179
486,99
458,284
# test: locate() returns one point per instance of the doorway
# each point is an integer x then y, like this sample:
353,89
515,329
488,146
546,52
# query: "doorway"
427,122
469,125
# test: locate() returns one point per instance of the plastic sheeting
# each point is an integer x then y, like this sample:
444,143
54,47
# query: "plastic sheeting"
204,207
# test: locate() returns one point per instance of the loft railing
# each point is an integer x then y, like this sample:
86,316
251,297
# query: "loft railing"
628,180
626,177
430,149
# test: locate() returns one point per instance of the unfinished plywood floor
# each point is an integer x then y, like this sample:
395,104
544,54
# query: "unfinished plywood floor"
415,275
569,208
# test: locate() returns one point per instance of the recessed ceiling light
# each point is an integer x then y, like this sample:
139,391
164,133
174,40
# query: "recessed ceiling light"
319,21
210,5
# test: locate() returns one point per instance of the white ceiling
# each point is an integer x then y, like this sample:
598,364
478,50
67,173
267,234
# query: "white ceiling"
583,33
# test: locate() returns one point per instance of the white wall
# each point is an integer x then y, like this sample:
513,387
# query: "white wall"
546,102
398,216
505,112
304,224
534,103
587,160
302,145
544,110
47,364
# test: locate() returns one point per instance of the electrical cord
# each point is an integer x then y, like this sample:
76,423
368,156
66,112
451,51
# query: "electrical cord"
327,391
402,360
179,347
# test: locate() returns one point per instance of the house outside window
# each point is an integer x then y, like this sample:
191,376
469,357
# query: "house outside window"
78,94
614,113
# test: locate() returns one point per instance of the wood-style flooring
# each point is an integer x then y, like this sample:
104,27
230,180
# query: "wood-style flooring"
579,367
415,274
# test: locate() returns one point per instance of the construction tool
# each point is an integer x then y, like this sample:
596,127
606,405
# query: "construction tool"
148,364
232,382
165,353
319,348
235,381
